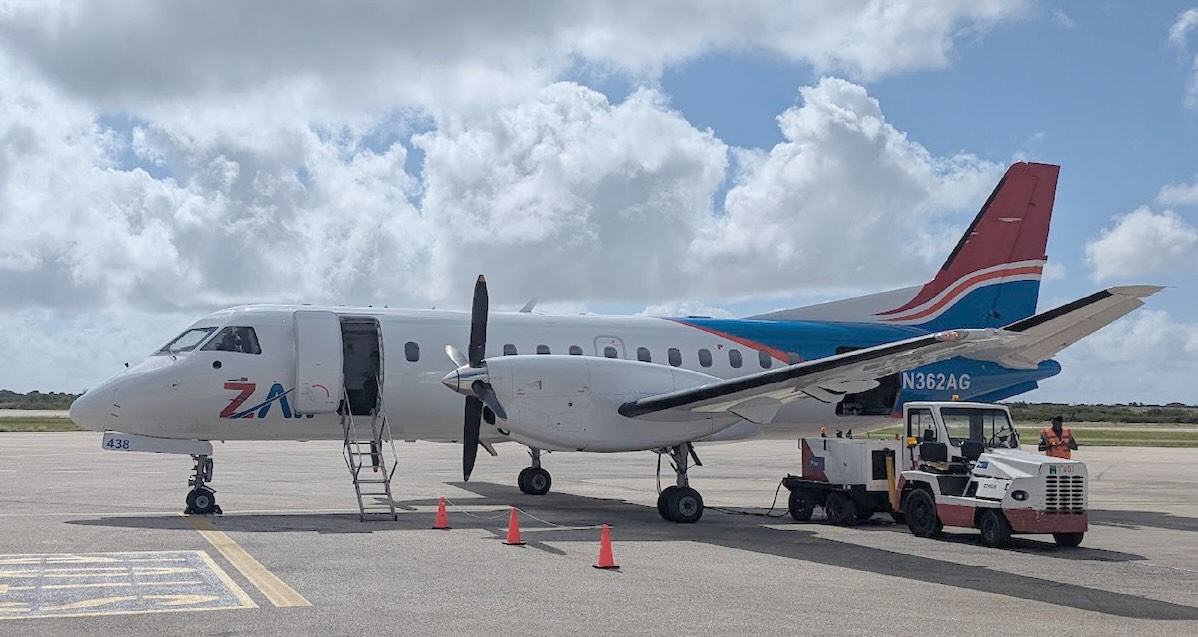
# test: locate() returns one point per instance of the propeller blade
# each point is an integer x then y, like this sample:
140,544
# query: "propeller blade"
473,421
456,356
478,323
484,393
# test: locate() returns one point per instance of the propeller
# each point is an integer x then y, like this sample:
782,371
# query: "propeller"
471,379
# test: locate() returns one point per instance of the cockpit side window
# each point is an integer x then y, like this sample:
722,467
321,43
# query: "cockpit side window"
243,340
187,341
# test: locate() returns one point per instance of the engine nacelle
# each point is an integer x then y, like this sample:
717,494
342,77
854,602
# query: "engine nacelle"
570,403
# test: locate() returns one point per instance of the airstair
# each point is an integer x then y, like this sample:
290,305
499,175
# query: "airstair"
370,455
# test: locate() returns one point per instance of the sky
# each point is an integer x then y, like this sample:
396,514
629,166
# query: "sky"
159,161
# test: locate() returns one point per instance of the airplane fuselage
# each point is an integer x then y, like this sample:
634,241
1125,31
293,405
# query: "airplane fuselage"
212,394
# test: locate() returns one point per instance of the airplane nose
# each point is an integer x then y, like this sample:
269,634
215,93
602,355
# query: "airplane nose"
93,410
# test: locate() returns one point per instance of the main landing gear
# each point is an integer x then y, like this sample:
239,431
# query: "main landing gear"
680,503
534,480
202,498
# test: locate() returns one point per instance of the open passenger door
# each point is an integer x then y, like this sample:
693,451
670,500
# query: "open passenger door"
318,372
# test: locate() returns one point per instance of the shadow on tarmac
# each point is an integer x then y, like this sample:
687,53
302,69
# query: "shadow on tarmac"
572,518
1140,519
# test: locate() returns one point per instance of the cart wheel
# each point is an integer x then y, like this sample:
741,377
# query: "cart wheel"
840,509
801,504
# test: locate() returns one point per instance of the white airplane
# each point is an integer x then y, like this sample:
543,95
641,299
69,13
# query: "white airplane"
612,384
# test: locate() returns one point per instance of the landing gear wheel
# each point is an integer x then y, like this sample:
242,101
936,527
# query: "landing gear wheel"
535,481
201,501
996,531
683,505
864,514
800,505
920,511
1069,540
840,509
662,499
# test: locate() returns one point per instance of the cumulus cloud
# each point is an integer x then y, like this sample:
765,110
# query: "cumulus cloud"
302,152
325,55
1179,37
1178,194
1142,242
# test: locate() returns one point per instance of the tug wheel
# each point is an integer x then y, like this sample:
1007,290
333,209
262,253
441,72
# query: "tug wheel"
920,511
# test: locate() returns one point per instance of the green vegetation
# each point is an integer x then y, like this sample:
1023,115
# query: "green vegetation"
1103,434
38,424
1134,413
35,400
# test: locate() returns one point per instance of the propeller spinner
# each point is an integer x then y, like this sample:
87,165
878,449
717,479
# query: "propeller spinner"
471,379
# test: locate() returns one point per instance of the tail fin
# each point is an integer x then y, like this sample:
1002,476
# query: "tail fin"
992,277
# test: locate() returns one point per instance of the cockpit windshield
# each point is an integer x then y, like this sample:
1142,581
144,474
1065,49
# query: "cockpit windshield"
991,427
187,341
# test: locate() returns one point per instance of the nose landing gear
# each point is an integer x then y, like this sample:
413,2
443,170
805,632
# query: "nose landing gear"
534,480
202,498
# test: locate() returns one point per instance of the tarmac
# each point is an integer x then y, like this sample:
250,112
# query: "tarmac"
94,542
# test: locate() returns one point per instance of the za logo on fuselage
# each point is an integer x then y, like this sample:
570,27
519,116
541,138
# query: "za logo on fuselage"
236,408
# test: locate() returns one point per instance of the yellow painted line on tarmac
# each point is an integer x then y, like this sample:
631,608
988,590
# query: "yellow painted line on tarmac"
276,590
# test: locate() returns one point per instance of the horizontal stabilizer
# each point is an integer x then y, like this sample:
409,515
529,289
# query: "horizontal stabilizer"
1040,337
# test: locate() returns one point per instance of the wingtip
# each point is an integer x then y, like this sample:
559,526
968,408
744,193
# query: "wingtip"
1138,291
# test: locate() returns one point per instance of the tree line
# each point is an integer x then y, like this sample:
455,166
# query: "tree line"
1135,412
35,400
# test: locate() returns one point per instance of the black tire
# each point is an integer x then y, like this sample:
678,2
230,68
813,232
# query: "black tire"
801,504
1068,540
685,505
522,479
996,531
201,501
840,509
864,514
537,481
920,512
663,500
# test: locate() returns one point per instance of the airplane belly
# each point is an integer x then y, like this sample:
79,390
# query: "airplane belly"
805,417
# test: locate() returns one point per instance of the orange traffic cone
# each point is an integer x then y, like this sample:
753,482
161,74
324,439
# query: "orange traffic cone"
442,519
605,558
513,530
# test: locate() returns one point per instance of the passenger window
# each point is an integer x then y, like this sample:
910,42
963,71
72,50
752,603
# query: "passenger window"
705,357
675,357
542,349
734,358
575,350
765,359
610,352
411,351
642,354
509,350
793,358
242,340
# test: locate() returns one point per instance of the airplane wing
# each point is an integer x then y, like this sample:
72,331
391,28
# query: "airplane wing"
757,397
1040,337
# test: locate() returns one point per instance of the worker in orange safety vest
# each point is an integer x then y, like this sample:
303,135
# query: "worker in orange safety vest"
1057,441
